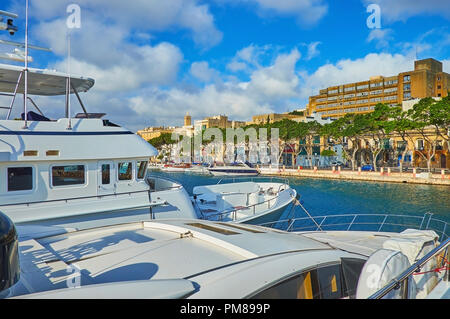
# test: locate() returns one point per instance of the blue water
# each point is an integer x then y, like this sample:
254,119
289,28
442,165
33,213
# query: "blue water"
331,197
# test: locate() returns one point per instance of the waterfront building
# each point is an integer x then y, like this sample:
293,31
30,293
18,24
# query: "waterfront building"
419,149
152,132
426,80
275,117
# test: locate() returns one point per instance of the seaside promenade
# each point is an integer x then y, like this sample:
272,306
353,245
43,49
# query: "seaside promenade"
382,175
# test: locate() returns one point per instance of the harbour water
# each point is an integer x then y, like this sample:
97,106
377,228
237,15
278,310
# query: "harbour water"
323,197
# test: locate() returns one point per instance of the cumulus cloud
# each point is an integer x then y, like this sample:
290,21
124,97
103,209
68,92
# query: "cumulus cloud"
147,15
401,10
203,72
269,88
381,37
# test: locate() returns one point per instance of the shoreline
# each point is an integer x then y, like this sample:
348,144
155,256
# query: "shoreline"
387,177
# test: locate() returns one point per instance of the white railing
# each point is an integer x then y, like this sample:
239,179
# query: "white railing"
363,222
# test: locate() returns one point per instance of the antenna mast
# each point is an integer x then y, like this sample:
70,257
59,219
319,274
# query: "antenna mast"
25,90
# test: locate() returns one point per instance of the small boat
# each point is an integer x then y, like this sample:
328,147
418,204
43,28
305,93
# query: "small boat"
233,169
252,202
180,167
198,168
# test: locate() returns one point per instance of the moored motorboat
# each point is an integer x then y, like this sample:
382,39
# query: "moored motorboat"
233,169
254,202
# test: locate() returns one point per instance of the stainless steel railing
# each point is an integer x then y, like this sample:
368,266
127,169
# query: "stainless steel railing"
374,222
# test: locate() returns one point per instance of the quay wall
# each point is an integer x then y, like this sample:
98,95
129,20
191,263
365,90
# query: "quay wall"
380,176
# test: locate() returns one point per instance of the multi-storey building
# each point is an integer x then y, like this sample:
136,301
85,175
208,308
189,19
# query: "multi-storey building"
153,132
274,117
426,80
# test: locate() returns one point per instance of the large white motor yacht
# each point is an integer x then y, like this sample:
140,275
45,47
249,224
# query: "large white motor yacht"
57,169
179,258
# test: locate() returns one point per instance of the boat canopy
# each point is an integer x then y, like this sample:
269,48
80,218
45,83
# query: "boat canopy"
41,82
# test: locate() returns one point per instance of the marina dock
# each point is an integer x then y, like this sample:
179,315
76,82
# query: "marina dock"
384,175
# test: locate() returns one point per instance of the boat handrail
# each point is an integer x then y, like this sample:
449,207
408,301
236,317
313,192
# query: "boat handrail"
233,211
401,279
87,197
348,221
253,179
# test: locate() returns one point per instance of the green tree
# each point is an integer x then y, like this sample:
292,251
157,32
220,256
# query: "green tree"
429,119
375,130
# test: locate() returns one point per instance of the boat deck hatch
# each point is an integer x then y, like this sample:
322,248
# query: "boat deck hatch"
212,228
242,228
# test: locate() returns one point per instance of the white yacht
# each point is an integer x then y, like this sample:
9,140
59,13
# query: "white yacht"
253,202
179,258
57,169
233,169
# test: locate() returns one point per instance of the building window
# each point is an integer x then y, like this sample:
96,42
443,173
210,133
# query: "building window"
106,176
20,178
125,172
390,82
390,90
407,87
407,78
420,145
142,169
406,95
362,87
374,85
439,87
68,175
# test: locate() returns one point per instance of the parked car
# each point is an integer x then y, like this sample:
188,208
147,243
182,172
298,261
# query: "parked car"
337,163
367,167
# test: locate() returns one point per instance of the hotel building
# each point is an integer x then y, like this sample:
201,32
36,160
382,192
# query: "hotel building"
426,80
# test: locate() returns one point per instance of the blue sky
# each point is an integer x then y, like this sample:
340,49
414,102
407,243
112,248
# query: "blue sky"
154,60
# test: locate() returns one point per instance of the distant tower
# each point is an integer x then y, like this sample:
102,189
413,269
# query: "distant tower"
187,120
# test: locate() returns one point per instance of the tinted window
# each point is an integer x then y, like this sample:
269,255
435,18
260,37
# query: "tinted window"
351,270
106,179
330,283
125,171
304,286
142,169
20,178
68,175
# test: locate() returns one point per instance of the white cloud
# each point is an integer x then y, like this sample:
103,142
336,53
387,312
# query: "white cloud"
312,50
203,72
149,15
146,65
249,58
270,88
395,10
381,37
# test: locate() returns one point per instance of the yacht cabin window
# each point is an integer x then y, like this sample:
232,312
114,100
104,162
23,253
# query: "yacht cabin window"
142,169
125,172
20,178
332,281
68,175
106,177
